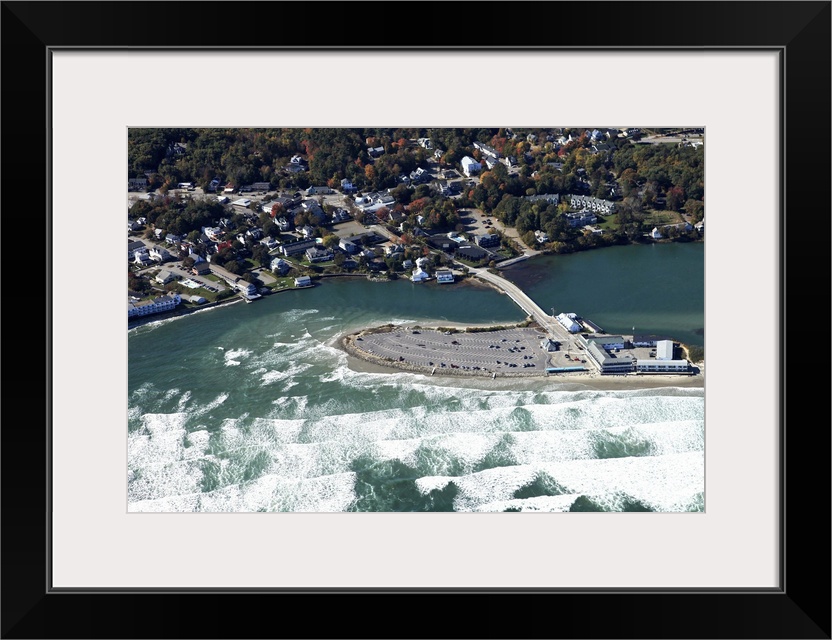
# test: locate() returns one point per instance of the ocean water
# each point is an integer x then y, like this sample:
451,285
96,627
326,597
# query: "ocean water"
657,288
249,408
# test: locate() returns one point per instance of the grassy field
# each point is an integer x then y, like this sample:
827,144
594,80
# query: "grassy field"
653,217
610,222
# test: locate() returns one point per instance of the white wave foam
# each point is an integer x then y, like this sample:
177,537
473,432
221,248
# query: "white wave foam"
663,483
210,406
156,456
548,504
290,316
231,356
183,401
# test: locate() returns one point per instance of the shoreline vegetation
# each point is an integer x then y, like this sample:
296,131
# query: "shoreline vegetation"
361,361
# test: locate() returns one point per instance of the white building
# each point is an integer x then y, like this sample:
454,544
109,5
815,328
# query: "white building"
470,166
664,350
568,323
444,275
163,303
655,233
164,276
419,275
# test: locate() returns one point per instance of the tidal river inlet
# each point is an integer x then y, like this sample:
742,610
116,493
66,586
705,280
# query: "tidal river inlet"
254,407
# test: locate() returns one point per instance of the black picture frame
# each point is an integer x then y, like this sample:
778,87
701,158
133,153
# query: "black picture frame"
799,608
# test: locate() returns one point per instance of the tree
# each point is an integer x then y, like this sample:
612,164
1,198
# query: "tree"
330,240
675,197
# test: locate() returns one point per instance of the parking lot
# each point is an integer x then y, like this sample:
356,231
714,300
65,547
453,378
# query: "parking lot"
503,351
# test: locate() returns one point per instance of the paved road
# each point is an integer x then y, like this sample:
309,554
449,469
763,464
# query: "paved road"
552,326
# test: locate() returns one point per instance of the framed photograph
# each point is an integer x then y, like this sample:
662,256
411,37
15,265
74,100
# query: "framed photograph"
268,451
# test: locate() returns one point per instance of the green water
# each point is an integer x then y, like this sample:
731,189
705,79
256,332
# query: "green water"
658,289
250,407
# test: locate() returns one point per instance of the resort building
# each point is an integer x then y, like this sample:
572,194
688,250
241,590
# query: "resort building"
606,342
662,366
608,363
158,305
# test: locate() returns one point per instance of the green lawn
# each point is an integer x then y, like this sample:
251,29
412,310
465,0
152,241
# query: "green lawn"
610,222
282,283
655,217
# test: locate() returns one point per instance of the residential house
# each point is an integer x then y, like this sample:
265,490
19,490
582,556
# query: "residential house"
297,159
393,249
532,138
201,268
229,188
307,231
132,225
340,215
419,275
509,161
487,150
541,236
347,186
295,248
164,276
318,254
419,176
159,254
283,224
136,184
425,143
655,233
407,264
580,218
444,275
349,247
319,191
375,152
491,162
596,205
422,262
241,202
280,266
303,281
173,239
270,243
214,233
546,198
